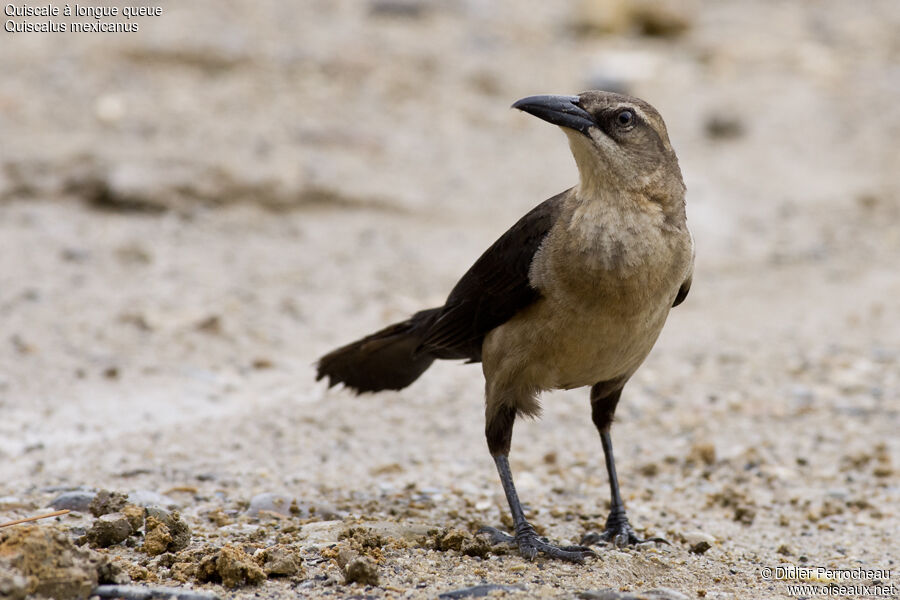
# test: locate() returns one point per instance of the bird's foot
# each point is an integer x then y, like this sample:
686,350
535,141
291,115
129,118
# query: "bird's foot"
530,545
619,533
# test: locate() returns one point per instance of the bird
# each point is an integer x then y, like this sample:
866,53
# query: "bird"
573,295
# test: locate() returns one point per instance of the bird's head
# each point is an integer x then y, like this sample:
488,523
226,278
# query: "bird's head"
620,144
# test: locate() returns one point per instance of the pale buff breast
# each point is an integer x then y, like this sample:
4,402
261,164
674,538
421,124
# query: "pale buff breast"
607,291
551,345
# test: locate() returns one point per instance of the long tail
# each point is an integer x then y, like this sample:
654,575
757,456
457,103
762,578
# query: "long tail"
385,360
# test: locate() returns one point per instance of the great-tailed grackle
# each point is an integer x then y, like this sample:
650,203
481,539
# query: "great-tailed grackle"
574,294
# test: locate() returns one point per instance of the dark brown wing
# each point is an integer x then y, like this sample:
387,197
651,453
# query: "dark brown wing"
494,289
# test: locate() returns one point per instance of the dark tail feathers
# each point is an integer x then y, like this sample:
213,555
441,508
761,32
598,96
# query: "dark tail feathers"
385,360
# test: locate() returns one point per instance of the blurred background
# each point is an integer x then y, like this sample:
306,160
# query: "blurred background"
192,213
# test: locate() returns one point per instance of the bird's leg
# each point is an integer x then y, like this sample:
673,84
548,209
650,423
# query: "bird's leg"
499,434
618,530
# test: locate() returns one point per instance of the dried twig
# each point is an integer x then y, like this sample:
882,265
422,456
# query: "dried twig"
47,516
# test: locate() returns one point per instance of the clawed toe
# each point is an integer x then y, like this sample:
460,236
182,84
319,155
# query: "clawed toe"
530,545
575,554
620,535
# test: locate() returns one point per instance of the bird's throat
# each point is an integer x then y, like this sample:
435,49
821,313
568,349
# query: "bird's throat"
593,181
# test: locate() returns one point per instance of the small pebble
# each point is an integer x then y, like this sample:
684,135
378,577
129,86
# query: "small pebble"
611,594
695,537
702,452
165,531
279,561
361,570
106,502
108,530
700,547
77,500
232,566
135,592
410,9
478,591
723,127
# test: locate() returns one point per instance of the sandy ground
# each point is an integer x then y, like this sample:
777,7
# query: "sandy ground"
191,214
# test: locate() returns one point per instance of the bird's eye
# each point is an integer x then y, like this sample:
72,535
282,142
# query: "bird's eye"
625,119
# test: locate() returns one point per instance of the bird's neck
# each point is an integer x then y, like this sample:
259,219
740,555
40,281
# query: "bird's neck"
592,181
605,205
654,195
602,203
599,210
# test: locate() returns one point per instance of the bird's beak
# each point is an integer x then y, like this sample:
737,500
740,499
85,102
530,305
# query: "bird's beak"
559,110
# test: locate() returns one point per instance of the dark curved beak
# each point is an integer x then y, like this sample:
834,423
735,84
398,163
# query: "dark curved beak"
559,110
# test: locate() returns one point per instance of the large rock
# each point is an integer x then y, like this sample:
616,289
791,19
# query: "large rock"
51,565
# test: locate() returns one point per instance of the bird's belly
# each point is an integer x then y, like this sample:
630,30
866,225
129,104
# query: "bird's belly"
549,346
586,347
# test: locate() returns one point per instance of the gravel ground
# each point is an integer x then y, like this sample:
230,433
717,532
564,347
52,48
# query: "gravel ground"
191,214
